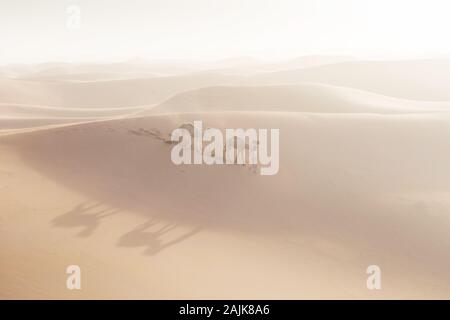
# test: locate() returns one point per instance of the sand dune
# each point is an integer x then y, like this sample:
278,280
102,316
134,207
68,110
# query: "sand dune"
141,68
124,209
130,69
8,125
414,79
306,97
17,116
245,66
32,111
406,81
103,94
86,77
86,178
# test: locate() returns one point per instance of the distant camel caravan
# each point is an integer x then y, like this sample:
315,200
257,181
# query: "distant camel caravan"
245,147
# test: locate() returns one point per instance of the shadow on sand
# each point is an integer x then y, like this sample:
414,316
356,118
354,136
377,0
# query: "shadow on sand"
86,216
150,235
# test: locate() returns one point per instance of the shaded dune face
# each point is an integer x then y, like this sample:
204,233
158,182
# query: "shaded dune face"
363,179
363,183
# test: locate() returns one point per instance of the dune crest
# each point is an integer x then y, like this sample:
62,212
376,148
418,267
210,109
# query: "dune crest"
305,97
86,177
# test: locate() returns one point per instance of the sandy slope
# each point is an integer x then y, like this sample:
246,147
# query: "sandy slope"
17,116
251,66
352,190
142,68
415,80
411,79
134,68
103,94
8,125
364,179
305,97
33,111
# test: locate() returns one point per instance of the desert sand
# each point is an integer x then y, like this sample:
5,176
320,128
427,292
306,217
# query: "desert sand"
364,177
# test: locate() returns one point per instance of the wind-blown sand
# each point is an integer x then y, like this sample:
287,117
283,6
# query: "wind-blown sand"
363,180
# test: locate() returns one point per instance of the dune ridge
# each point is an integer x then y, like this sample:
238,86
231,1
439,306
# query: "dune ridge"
305,97
86,178
389,186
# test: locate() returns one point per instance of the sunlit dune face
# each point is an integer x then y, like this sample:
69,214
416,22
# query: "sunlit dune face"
224,149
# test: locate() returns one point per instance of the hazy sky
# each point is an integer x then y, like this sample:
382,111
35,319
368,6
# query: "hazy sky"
43,30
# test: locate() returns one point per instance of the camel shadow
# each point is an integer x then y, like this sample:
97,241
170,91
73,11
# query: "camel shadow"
85,216
155,236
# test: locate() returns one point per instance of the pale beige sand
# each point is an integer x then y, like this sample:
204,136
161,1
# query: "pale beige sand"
352,190
133,68
364,179
141,68
8,125
251,66
410,79
32,111
401,79
305,97
103,94
18,116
